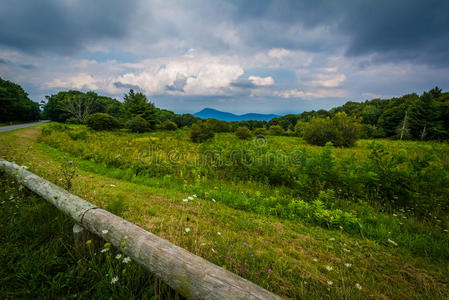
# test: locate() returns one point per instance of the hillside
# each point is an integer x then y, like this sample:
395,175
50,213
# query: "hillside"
210,113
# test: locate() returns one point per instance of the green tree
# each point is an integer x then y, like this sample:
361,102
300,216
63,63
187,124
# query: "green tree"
424,118
243,133
136,104
15,104
201,132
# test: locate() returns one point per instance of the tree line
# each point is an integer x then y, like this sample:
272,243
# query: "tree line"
15,104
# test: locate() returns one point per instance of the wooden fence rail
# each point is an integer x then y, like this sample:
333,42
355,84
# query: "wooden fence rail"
188,274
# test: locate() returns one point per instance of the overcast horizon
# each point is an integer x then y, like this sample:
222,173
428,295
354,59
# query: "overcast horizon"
236,56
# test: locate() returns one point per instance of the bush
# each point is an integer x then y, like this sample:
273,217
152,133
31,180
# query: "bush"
341,130
138,124
201,132
72,120
299,128
102,121
276,130
243,133
260,131
169,125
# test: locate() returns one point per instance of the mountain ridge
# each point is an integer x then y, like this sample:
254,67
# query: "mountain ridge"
208,113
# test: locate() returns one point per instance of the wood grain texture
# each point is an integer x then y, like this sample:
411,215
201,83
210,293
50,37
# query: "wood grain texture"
188,274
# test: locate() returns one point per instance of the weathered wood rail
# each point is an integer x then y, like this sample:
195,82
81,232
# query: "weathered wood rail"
188,274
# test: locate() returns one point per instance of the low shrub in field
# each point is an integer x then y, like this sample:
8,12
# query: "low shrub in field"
102,121
169,125
260,131
138,124
201,132
72,120
341,130
243,133
276,130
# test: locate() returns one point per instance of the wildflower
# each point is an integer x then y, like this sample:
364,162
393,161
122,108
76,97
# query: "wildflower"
229,257
203,244
392,242
241,269
252,255
266,242
104,250
118,256
332,239
315,259
126,260
357,285
195,195
329,268
395,215
89,242
213,200
213,250
244,244
187,229
70,162
238,265
346,250
348,265
329,282
104,231
218,232
445,230
230,246
190,198
112,185
114,280
185,200
270,271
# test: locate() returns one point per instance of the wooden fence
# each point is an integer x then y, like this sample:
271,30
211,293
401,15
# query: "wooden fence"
188,274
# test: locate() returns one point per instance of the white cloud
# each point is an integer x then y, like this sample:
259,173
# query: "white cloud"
261,81
79,81
319,93
278,52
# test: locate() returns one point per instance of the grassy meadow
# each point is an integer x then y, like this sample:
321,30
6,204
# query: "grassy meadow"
302,221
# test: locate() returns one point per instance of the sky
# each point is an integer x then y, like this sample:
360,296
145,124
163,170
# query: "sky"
239,56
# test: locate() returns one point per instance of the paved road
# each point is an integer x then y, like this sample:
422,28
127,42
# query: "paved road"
13,127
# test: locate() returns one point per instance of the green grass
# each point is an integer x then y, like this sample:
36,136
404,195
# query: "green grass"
38,261
298,250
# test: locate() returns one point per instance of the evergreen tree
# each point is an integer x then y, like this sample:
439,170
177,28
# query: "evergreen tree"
424,118
136,104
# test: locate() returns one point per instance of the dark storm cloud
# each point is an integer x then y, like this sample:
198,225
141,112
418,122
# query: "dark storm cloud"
61,26
23,66
178,85
413,30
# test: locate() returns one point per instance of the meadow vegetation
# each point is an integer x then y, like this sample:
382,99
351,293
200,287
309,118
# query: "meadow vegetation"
299,220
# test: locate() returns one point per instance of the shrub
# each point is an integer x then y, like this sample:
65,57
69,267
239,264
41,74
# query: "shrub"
243,133
72,120
169,125
341,130
260,131
299,128
102,121
276,130
201,132
138,124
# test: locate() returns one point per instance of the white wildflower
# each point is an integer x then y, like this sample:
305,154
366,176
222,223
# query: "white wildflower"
104,231
329,282
358,286
213,200
126,260
219,233
346,250
395,215
348,265
332,239
118,256
190,198
187,229
203,244
195,195
104,250
112,185
213,250
329,268
392,242
315,259
185,200
114,280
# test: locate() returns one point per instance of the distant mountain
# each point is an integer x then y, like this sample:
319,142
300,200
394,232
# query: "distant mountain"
210,113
